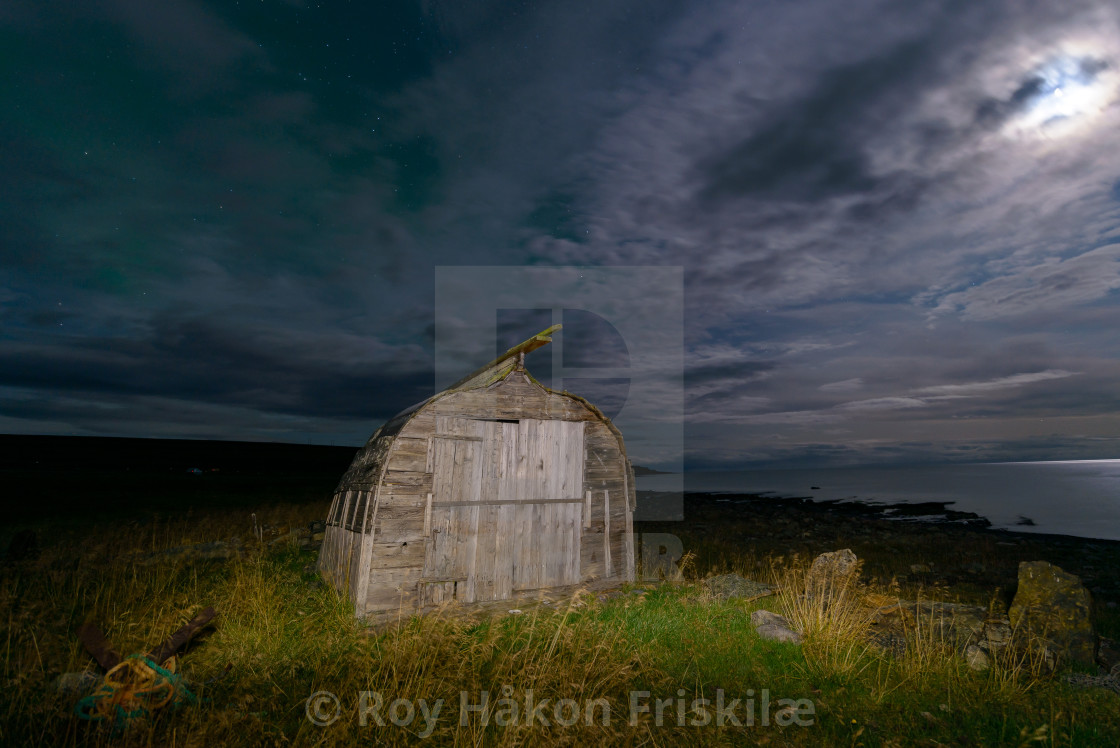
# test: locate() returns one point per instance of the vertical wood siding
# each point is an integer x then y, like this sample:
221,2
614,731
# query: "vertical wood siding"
482,495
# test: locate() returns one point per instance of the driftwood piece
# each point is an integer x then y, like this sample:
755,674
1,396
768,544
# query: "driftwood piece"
182,636
95,643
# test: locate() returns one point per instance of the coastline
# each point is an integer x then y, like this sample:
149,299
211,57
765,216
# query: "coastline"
913,547
1057,497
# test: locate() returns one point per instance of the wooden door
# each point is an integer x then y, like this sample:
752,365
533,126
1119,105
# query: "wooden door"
506,508
546,520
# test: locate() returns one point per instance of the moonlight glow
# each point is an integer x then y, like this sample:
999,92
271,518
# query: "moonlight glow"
1061,96
223,220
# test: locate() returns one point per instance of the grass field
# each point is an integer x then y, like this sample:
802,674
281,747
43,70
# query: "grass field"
664,664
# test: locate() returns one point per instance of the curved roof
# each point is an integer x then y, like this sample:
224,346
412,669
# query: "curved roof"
368,463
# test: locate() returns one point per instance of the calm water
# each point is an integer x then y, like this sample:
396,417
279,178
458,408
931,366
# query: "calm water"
1070,498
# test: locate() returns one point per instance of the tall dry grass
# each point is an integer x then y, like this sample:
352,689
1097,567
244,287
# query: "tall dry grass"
831,616
281,636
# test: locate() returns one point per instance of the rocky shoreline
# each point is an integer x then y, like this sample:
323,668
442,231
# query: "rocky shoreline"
933,562
912,546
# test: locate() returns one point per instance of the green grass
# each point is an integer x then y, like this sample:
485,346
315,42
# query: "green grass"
281,637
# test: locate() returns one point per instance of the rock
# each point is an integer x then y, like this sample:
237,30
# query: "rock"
729,586
777,633
76,684
957,625
830,573
960,624
774,627
1052,610
764,617
976,657
953,623
1084,680
1108,656
890,640
996,634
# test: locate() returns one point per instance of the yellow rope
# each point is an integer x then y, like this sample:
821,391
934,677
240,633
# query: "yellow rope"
133,688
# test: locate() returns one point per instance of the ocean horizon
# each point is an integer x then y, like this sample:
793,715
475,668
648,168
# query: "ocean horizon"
1063,497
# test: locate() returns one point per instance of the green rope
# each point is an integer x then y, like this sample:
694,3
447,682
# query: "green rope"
133,690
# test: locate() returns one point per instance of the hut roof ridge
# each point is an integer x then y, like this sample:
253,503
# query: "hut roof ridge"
499,367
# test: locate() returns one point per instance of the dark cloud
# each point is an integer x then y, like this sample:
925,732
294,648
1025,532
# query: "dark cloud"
208,362
223,219
810,152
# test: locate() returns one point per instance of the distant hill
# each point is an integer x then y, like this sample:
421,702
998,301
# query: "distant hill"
639,470
112,453
78,476
84,475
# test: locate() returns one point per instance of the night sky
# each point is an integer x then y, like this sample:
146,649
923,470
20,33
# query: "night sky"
899,223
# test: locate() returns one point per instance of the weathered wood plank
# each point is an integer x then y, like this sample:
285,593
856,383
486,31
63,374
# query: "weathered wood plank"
97,645
494,512
353,556
404,554
396,579
410,457
410,510
390,495
432,592
399,530
607,533
391,597
421,480
488,546
456,477
520,502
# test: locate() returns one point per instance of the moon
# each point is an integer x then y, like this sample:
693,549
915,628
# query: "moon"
1062,96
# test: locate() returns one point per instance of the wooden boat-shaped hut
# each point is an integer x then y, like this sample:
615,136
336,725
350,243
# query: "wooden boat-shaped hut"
495,488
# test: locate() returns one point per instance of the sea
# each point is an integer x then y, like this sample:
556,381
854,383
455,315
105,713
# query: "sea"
1073,497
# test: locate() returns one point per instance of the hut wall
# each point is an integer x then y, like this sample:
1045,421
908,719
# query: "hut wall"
607,477
383,534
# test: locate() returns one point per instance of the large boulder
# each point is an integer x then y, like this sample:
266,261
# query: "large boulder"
830,573
1052,610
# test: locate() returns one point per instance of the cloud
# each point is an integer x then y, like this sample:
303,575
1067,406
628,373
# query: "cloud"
882,403
873,244
1039,289
1017,380
846,385
921,398
791,417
